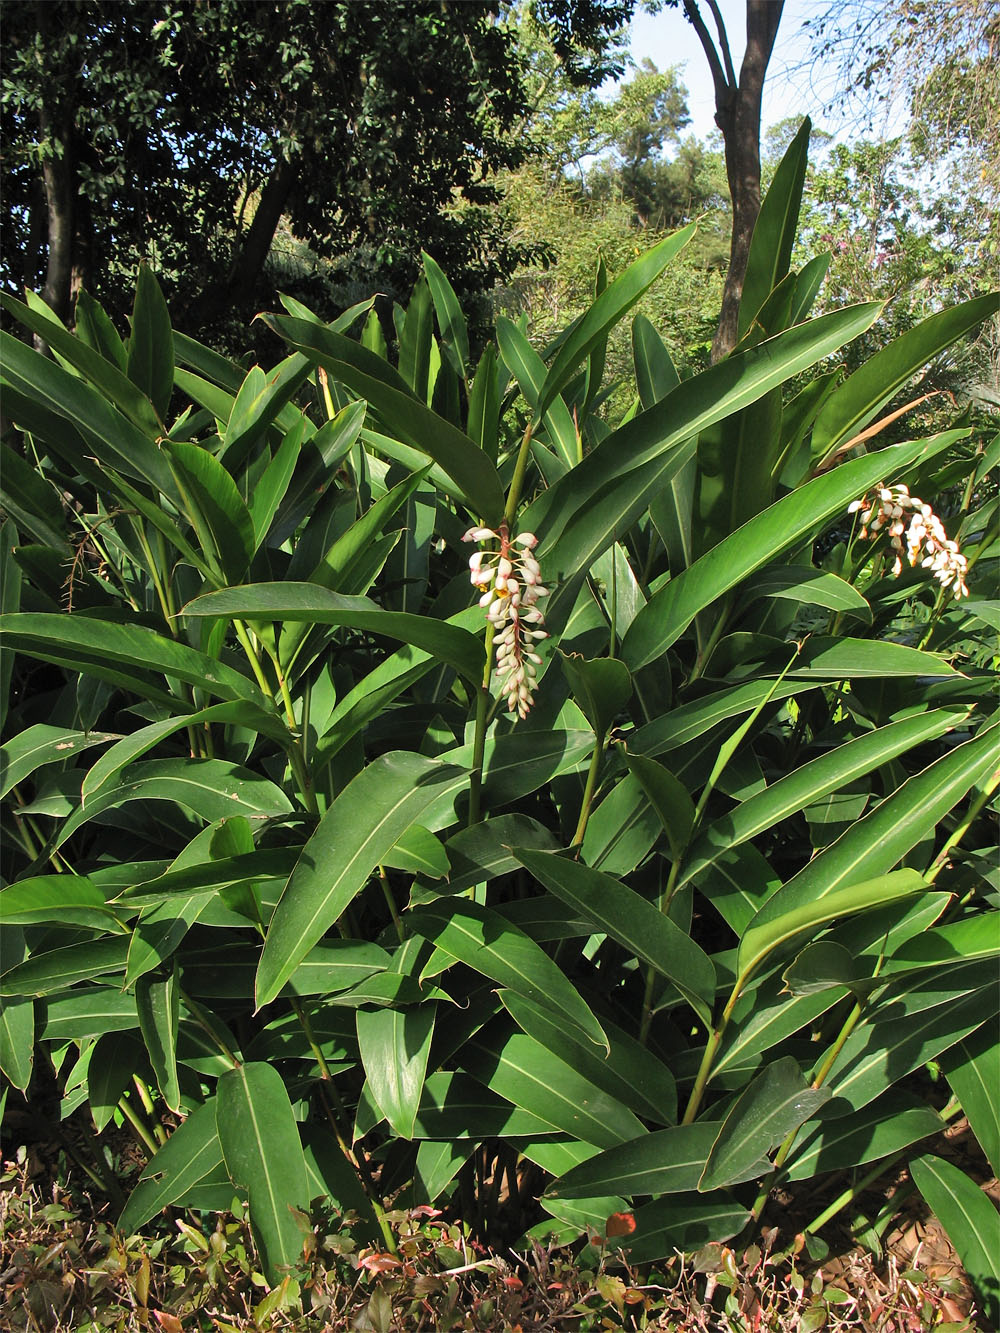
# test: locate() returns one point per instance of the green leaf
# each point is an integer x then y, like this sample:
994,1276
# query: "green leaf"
45,397
483,940
884,1127
395,1044
480,853
484,404
369,376
44,744
758,542
857,401
150,363
655,373
114,1059
682,1222
972,1067
455,1106
912,1023
971,1221
258,404
528,369
211,788
629,1072
605,312
33,508
65,900
263,1155
690,408
273,485
365,820
873,844
636,924
775,1103
775,229
17,1019
785,919
816,778
668,797
104,375
158,1002
419,852
802,583
58,969
95,329
191,1154
215,508
125,655
602,686
309,603
88,1013
416,337
525,1073
668,1161
451,322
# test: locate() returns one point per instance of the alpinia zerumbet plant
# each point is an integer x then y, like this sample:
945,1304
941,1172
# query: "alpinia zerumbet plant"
925,537
513,582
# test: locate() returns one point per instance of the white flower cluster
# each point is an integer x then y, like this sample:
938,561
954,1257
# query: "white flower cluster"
513,582
909,521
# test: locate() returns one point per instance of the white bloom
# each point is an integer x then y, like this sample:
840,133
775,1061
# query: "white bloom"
926,539
512,578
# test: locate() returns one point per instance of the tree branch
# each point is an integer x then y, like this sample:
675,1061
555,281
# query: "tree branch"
723,89
723,42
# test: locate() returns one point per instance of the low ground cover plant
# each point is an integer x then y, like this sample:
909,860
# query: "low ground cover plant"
424,792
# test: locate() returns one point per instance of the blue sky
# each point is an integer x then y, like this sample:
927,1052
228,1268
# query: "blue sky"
795,84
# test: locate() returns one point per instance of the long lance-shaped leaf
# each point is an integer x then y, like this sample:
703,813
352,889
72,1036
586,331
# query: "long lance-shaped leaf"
150,356
263,1155
373,379
668,1161
110,436
527,1074
485,941
774,1104
613,303
17,1019
774,232
528,369
65,900
888,1124
635,923
125,655
816,779
692,406
215,507
98,371
365,820
759,542
191,1154
212,788
309,603
451,321
394,1045
972,1068
879,840
855,403
971,1220
44,744
158,1002
781,930
58,969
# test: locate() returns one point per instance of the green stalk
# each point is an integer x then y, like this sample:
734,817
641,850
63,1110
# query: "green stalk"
196,1012
383,879
973,812
588,793
133,1118
334,1109
711,1050
142,1088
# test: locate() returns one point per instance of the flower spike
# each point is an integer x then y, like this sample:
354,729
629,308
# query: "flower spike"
923,535
513,582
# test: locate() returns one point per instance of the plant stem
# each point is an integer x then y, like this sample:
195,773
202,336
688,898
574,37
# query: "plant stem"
383,879
588,793
711,1050
142,1089
975,808
196,1012
142,1132
335,1112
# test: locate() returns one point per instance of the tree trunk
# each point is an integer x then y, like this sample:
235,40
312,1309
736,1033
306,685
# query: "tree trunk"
737,114
59,177
236,289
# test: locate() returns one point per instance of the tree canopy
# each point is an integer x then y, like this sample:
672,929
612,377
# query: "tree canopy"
184,134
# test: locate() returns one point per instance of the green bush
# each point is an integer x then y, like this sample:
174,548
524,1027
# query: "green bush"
329,908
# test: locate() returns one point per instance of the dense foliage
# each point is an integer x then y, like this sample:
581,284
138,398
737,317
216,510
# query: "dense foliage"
604,941
185,134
